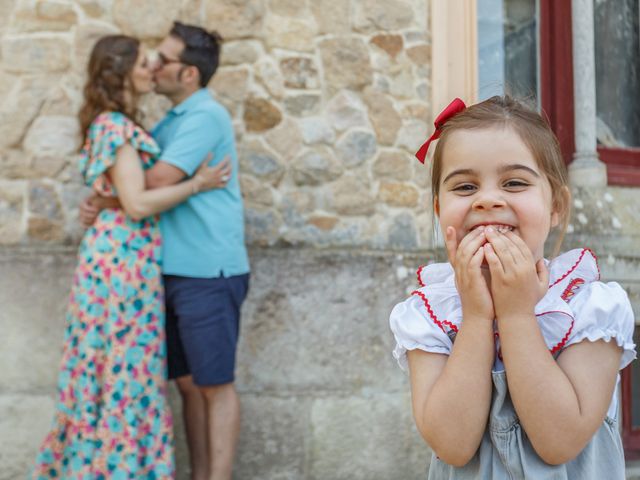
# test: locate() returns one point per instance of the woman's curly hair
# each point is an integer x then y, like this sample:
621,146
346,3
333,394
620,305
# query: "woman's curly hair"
110,64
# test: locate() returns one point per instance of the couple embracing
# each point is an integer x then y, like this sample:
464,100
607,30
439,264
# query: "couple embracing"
162,271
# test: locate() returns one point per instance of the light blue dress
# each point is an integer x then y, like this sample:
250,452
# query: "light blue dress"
577,307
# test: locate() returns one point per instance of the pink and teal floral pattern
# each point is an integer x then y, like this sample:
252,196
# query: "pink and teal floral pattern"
112,419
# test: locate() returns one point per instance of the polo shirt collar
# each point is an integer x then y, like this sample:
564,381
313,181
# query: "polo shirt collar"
191,101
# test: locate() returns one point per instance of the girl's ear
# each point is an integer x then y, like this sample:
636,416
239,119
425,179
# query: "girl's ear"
561,202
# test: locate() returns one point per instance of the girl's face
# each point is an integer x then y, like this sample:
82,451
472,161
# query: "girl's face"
489,177
141,74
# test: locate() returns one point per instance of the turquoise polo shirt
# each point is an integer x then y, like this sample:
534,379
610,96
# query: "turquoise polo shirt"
204,236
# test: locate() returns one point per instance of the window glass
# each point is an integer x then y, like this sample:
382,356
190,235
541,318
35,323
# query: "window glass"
617,55
508,48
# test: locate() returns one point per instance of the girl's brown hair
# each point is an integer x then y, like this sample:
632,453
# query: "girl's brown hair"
110,64
532,129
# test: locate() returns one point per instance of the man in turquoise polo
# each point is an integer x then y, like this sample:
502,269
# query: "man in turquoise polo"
205,263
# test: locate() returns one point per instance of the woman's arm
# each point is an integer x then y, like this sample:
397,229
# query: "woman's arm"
128,176
451,396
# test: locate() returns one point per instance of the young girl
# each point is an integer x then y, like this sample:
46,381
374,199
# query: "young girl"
513,359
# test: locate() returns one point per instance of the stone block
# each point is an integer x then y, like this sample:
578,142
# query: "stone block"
53,135
269,75
389,43
318,323
273,437
285,139
235,18
420,54
255,192
351,195
12,199
402,233
33,291
316,130
346,110
230,83
299,72
24,422
36,53
372,15
303,104
297,34
147,19
398,194
240,52
262,226
332,16
260,161
87,34
315,167
412,135
260,114
43,15
393,165
384,117
378,426
356,147
346,64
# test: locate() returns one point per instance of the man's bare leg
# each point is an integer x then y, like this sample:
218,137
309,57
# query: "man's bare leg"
194,414
223,409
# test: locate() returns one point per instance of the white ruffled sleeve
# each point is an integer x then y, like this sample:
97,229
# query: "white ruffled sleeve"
602,311
413,330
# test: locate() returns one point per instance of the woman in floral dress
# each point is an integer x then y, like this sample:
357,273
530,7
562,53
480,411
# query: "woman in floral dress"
112,419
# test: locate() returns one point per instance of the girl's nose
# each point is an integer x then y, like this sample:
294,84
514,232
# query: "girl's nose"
488,200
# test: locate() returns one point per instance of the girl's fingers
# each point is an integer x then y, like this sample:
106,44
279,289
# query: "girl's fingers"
504,249
495,265
471,242
523,250
477,258
450,243
543,273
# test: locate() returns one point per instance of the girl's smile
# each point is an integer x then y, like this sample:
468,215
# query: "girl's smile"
490,178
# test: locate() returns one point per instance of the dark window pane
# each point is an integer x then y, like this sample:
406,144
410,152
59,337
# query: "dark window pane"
617,54
507,48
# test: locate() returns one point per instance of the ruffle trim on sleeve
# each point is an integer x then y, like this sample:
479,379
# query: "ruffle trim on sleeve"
108,132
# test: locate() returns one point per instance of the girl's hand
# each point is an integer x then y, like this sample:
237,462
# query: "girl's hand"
466,259
207,178
518,282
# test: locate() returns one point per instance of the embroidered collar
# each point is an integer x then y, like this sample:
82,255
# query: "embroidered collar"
568,273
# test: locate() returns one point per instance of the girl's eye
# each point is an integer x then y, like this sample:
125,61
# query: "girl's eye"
464,188
515,184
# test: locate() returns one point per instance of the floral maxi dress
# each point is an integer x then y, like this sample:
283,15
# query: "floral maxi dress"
112,419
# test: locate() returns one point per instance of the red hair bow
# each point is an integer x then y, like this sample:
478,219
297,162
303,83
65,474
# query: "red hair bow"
452,109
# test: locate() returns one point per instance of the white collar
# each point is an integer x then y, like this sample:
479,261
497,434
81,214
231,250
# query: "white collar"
568,274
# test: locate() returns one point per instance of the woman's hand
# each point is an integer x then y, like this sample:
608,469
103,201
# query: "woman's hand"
466,259
207,178
518,282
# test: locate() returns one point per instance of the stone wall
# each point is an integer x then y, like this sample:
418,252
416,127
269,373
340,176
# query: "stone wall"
329,98
322,397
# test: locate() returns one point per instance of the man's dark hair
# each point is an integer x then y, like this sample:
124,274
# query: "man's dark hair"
201,49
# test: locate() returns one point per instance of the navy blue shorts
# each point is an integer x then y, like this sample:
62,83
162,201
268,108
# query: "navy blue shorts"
203,322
